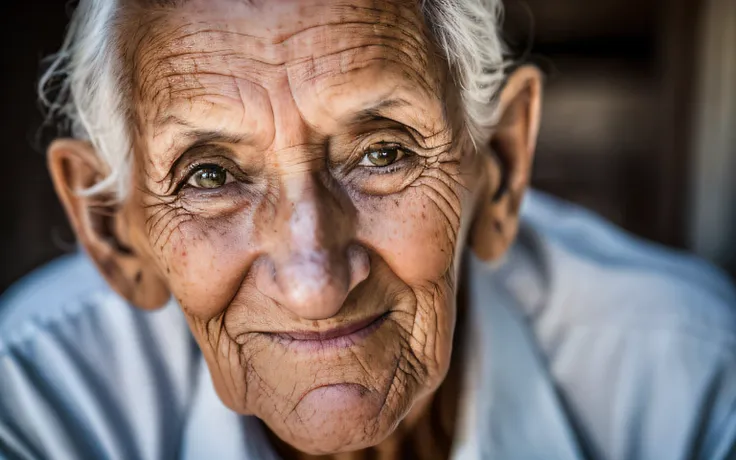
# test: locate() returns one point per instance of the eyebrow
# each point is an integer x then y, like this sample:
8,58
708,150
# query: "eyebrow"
375,112
200,135
196,137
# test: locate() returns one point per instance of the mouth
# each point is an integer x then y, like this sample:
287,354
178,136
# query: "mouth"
339,337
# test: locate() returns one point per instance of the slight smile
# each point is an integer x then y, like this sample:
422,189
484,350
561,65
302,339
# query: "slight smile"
340,337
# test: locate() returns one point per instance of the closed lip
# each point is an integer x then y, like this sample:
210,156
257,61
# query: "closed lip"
340,337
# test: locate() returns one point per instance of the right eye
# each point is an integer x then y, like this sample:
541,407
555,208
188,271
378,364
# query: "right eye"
209,177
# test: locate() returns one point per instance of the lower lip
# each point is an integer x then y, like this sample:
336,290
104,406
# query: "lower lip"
344,341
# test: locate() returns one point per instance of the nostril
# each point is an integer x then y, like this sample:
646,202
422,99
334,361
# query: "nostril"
265,278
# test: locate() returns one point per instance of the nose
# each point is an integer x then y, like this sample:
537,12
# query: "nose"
312,262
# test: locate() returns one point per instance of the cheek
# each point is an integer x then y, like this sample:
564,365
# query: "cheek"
207,261
412,233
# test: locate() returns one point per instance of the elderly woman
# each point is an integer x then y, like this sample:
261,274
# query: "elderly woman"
309,217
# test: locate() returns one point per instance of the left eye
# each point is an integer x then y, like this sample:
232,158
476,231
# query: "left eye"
382,156
209,177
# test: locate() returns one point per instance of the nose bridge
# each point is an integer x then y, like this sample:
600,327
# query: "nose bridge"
311,213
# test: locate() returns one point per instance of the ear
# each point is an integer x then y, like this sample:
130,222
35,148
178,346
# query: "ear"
102,226
508,167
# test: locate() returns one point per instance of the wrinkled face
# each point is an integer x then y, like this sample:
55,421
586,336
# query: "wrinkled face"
304,186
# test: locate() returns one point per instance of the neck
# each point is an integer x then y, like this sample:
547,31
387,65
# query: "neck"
427,432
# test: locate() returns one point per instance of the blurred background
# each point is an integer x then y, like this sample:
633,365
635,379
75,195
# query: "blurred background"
639,119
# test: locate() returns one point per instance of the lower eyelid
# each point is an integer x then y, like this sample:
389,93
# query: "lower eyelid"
230,189
393,167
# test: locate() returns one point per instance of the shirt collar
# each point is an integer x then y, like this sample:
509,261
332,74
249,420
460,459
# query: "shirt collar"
516,412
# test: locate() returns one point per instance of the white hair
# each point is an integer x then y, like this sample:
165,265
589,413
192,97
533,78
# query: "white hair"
83,86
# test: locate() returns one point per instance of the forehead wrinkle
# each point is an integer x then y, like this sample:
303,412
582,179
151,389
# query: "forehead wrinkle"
339,63
247,60
298,158
276,18
187,68
351,52
328,67
184,38
344,96
246,100
183,51
224,84
182,72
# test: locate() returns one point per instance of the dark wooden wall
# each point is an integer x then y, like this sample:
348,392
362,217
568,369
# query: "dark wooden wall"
33,228
617,121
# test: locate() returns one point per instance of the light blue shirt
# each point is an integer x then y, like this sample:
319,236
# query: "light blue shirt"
585,343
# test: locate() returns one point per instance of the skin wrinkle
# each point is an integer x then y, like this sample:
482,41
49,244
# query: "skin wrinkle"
412,75
309,201
134,34
420,329
240,93
175,227
315,76
161,214
278,60
189,92
443,203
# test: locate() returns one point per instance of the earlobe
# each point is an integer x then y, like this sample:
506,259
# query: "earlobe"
508,164
100,224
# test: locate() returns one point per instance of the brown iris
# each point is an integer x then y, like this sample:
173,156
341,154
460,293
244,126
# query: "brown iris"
209,176
383,156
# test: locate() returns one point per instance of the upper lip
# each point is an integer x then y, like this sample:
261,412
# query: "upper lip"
340,331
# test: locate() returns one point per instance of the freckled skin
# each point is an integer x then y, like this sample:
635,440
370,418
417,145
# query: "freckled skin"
304,238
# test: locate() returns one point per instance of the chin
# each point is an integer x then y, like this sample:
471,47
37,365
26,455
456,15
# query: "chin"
340,418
